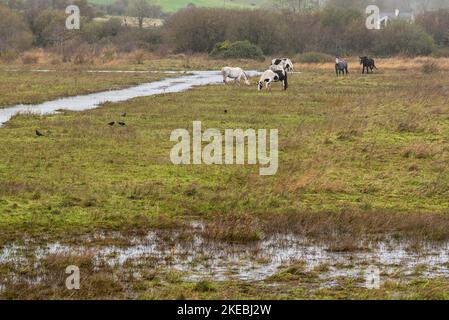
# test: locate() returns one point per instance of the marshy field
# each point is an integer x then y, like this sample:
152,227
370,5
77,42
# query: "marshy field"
363,183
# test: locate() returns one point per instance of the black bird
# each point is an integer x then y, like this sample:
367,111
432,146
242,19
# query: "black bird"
122,124
124,114
39,134
226,111
111,123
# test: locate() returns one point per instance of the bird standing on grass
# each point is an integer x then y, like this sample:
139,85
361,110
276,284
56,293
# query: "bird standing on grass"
122,124
111,123
39,134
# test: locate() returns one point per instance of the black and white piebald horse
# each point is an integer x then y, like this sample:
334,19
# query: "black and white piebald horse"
341,66
368,64
285,63
270,76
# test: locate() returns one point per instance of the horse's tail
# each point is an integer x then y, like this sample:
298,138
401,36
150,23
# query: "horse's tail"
286,81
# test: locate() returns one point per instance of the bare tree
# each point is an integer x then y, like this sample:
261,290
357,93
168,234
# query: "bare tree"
292,5
142,9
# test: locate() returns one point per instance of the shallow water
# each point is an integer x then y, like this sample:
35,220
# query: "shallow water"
91,101
199,258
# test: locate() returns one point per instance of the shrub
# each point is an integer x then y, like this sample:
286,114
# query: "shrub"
314,57
14,34
436,23
108,53
84,54
403,38
30,58
237,50
68,50
9,55
441,53
196,29
429,67
139,56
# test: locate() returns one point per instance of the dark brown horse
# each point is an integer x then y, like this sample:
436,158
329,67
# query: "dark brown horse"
368,64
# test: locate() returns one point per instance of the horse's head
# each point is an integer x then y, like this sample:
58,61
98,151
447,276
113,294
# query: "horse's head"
363,59
289,65
247,82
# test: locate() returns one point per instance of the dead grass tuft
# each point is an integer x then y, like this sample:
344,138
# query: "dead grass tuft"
430,67
30,58
352,225
234,228
419,150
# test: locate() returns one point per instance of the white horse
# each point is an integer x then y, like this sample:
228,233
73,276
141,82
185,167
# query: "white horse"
234,73
285,63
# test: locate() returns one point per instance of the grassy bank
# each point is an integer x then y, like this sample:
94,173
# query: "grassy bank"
30,87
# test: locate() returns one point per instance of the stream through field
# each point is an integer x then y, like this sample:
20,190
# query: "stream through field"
91,101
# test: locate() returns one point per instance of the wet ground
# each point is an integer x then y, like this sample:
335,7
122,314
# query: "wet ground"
199,258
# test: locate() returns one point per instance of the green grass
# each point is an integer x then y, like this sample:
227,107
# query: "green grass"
375,145
342,147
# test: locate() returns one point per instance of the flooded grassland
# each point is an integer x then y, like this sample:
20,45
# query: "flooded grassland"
362,185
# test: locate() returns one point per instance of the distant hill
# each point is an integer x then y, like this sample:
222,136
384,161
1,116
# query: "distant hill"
173,5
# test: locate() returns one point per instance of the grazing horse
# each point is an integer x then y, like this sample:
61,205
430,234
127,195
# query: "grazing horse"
368,64
234,73
285,63
271,76
341,66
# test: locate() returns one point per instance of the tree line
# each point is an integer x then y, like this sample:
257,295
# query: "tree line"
332,30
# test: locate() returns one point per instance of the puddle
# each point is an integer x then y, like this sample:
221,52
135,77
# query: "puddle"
200,258
91,101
